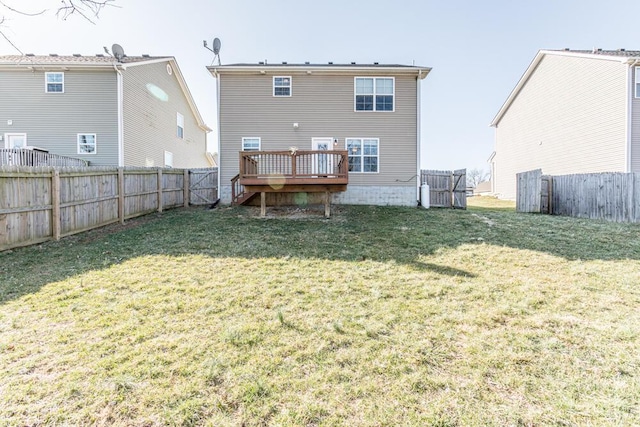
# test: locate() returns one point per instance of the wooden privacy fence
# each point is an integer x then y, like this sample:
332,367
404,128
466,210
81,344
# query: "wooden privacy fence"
446,188
612,196
45,203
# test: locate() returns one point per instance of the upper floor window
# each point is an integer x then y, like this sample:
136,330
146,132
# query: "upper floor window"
54,82
180,122
374,93
363,154
282,86
251,144
637,82
86,143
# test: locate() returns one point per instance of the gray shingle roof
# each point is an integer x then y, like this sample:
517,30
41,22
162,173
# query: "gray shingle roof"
309,64
618,52
72,59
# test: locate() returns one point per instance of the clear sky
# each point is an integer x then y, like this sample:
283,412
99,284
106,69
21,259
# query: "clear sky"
478,49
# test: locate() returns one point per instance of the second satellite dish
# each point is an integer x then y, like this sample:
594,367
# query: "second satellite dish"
216,46
118,51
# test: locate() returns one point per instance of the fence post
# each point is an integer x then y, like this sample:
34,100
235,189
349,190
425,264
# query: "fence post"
121,195
186,196
159,189
55,204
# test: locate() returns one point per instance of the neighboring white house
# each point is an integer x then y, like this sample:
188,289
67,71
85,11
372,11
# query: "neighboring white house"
126,111
573,111
368,112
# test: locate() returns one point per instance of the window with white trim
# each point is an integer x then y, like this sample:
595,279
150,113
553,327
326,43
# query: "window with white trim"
374,93
251,143
637,82
180,123
363,154
282,86
87,143
54,82
168,159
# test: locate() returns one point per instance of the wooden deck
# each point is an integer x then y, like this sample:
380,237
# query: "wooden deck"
290,172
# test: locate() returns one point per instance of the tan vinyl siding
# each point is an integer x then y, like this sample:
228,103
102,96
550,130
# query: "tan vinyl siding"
323,106
150,120
569,117
634,162
53,120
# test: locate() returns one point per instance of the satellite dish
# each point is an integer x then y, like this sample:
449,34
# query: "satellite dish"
216,46
118,51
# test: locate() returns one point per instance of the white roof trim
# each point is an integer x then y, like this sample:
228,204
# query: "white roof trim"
529,71
419,71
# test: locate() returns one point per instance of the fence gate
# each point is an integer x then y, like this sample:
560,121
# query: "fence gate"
203,186
460,189
446,188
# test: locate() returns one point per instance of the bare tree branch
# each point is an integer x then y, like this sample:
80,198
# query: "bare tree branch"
87,9
21,12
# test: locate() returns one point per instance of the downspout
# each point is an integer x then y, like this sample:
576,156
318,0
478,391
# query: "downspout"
217,76
418,136
120,116
630,96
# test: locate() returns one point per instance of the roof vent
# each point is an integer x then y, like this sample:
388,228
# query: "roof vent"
375,63
621,49
53,54
599,49
99,55
566,48
145,55
284,62
77,55
306,62
261,63
353,63
29,54
330,63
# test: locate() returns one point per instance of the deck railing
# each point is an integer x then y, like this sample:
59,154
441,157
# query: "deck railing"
24,157
295,166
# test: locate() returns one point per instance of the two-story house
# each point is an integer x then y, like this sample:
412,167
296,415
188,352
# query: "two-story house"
350,129
131,111
573,111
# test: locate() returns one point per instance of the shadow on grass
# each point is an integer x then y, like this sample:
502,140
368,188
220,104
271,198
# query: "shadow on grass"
353,234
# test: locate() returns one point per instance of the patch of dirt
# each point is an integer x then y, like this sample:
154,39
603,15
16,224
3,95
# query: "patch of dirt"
296,212
484,219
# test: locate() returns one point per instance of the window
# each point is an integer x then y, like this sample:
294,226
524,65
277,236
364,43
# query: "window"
168,159
637,82
251,144
86,143
363,154
374,93
54,82
282,86
180,121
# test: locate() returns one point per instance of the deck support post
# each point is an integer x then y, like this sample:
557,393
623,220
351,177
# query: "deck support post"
263,204
327,204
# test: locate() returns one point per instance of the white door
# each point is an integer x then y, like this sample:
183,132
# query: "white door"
322,163
15,140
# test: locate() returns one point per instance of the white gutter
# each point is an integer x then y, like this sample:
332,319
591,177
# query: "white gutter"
120,87
418,134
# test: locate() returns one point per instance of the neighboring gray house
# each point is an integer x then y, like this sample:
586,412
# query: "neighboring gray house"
573,111
136,111
370,113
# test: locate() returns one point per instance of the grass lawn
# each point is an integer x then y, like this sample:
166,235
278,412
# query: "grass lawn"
376,317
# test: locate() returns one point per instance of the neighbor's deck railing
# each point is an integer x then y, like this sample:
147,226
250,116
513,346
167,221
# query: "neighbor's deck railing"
24,157
294,167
